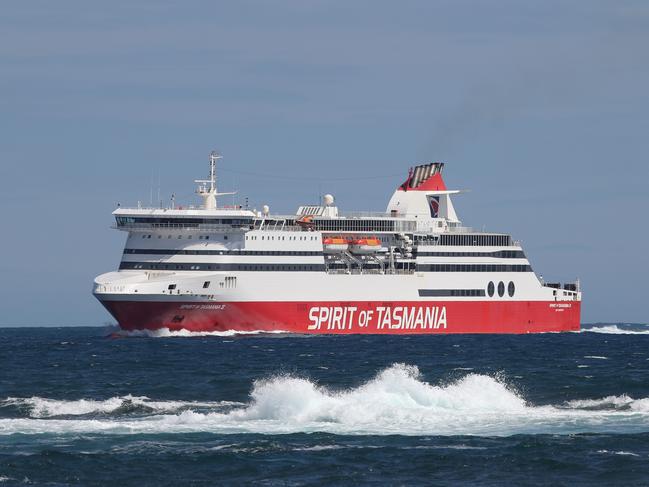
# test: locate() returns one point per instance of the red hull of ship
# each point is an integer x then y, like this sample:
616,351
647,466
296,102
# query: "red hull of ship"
413,317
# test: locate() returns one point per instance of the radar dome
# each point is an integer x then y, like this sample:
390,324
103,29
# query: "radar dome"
265,209
328,199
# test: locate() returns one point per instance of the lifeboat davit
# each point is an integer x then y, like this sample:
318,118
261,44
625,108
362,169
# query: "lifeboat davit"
365,245
333,245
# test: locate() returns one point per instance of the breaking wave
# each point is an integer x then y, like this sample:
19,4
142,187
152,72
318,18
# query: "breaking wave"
39,407
396,401
617,330
614,403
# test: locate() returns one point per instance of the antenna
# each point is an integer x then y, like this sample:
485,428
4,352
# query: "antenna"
209,193
214,156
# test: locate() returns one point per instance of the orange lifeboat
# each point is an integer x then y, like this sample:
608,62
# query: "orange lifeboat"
332,245
365,245
305,221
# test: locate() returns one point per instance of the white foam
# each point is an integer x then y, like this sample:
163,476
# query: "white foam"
40,407
396,401
621,452
167,333
613,330
320,448
623,402
611,402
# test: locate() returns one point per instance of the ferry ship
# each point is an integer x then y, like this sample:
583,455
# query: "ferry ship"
413,269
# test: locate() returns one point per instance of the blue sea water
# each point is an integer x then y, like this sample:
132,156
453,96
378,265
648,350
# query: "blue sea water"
80,407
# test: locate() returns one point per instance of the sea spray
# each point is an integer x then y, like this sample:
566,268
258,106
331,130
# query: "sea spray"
395,401
622,329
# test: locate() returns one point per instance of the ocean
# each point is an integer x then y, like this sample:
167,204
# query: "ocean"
86,406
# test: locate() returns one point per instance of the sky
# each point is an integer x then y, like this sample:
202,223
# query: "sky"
540,109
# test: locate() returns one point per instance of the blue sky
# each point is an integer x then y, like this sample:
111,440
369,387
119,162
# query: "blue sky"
540,108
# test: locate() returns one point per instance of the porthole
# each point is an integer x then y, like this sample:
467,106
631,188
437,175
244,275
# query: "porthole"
501,289
511,289
491,289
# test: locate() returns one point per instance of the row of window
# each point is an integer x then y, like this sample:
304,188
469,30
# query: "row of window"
491,288
218,252
230,281
326,224
368,265
189,237
473,268
473,239
123,220
315,267
363,225
426,293
502,254
222,267
426,239
283,237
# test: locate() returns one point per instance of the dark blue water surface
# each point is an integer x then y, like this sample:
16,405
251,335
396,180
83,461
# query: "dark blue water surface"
80,408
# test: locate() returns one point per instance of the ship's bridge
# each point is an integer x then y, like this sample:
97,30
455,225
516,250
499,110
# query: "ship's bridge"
130,219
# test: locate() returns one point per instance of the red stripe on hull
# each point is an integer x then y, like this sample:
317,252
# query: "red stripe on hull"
413,317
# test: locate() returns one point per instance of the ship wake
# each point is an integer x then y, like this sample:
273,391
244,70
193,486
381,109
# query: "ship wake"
167,333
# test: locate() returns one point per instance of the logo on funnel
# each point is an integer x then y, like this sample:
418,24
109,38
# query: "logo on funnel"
433,204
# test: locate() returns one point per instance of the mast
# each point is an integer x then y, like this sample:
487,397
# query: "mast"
207,187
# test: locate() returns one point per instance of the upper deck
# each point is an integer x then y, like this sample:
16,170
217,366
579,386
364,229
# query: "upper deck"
420,206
